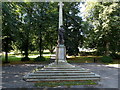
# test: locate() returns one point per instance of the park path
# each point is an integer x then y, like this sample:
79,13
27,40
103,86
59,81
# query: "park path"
109,74
12,75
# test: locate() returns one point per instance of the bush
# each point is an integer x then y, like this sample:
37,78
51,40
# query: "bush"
106,59
115,56
40,58
25,59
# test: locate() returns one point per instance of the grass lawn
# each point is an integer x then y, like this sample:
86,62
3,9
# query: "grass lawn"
16,59
83,59
88,59
63,83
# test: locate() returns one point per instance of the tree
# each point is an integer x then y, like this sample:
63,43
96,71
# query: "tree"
41,25
104,16
72,25
51,39
9,27
24,34
51,34
33,26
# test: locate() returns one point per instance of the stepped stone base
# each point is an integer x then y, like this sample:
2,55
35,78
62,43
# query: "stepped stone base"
60,71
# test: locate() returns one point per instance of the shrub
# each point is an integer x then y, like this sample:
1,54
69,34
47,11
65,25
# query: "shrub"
106,59
40,58
115,56
25,59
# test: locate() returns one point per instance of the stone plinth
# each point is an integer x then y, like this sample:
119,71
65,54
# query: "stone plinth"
61,53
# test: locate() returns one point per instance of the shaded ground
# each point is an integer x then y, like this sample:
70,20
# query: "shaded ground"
12,76
109,74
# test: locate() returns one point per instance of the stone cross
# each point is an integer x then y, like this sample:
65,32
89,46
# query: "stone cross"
60,13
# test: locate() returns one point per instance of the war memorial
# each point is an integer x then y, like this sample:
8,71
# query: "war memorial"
60,70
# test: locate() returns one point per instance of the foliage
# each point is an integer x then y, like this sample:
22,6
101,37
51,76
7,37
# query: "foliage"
50,27
104,34
9,27
30,26
40,58
25,59
25,36
33,26
115,56
72,26
106,59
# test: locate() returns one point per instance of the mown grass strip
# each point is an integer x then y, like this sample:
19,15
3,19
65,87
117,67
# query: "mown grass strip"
64,83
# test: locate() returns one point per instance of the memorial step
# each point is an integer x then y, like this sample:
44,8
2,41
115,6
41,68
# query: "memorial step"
62,71
61,77
59,74
61,68
75,79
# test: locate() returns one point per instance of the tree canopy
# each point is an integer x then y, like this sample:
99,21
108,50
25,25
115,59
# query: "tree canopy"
30,26
33,26
104,34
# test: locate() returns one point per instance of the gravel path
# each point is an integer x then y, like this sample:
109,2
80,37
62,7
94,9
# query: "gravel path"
12,76
109,75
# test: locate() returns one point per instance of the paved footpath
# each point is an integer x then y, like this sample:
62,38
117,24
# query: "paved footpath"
12,76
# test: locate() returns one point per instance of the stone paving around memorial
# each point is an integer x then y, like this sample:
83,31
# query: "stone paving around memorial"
12,76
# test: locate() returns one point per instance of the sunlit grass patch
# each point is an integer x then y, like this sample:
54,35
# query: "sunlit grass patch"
13,59
63,83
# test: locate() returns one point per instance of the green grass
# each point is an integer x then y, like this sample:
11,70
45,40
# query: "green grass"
89,59
14,59
64,83
11,58
17,60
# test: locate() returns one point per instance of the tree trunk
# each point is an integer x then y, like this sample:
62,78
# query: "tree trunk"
6,51
107,49
51,49
26,50
6,57
40,48
40,44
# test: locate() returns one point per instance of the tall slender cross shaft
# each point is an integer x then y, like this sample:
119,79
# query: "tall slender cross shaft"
60,13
